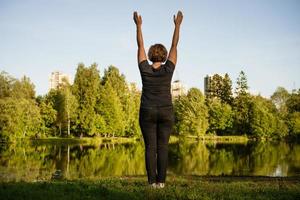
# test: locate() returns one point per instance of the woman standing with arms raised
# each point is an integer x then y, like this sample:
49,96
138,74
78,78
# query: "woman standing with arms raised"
156,116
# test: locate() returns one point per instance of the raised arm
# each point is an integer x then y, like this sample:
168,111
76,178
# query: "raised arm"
173,50
141,54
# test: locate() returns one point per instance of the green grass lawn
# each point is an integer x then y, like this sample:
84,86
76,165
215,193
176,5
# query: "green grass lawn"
136,188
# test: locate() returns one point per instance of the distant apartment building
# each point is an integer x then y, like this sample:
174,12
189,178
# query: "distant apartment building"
177,89
207,85
56,79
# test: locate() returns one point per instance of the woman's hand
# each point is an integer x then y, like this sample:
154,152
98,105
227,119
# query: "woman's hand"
178,18
137,19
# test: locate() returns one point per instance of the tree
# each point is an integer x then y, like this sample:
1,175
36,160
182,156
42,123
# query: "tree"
226,92
279,98
191,113
293,102
220,116
216,86
132,112
128,96
110,108
293,117
5,84
23,88
70,104
19,118
48,114
86,90
242,85
241,106
117,82
66,106
221,88
294,124
19,113
264,122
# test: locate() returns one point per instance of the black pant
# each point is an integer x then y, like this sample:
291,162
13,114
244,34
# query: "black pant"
156,124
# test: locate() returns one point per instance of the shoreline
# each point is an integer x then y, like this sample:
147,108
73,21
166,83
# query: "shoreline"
122,140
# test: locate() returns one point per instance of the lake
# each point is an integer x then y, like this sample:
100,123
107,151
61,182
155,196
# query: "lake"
45,161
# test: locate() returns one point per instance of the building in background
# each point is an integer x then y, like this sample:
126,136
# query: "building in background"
177,89
207,85
56,79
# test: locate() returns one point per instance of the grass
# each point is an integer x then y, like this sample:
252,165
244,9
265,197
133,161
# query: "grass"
119,140
91,140
84,140
223,139
136,188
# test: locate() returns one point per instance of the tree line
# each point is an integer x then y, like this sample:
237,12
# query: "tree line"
221,112
108,106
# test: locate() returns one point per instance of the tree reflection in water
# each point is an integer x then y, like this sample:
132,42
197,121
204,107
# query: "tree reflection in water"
29,162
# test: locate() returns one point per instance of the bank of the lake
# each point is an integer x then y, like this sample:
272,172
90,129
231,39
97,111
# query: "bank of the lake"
100,140
178,187
120,140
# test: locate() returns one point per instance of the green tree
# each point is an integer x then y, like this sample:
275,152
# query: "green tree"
293,118
110,108
23,88
220,116
191,113
226,92
86,90
132,112
241,106
264,121
279,98
5,84
66,107
221,88
118,83
242,84
129,98
216,86
293,102
19,118
48,115
294,124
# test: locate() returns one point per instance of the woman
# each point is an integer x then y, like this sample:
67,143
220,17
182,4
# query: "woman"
156,115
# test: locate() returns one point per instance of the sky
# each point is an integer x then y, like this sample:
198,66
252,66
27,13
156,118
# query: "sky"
260,37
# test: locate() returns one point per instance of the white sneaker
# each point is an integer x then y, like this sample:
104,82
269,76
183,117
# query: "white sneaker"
160,185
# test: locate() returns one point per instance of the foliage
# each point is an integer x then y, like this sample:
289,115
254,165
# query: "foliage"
263,120
19,118
241,114
242,85
109,106
48,115
86,90
293,118
191,113
294,124
220,116
126,101
221,88
279,98
19,114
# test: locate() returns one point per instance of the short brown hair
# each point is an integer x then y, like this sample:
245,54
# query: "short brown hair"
157,53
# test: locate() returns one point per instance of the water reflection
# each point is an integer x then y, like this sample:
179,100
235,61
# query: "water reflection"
30,162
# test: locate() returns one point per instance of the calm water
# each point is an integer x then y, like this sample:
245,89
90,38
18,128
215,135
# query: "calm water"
31,162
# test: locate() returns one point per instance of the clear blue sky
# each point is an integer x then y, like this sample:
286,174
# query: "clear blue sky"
261,37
